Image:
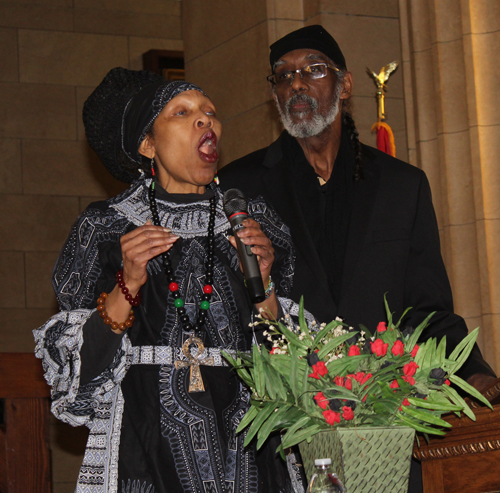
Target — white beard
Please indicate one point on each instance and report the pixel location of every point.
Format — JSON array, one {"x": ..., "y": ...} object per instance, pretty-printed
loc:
[{"x": 317, "y": 124}]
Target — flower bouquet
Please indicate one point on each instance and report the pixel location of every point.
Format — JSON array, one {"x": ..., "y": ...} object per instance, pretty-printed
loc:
[{"x": 321, "y": 377}]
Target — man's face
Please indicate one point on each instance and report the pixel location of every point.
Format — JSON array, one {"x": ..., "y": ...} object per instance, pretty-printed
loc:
[{"x": 307, "y": 108}]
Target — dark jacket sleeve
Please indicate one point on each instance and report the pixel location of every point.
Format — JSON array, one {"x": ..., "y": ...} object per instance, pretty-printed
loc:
[{"x": 427, "y": 287}]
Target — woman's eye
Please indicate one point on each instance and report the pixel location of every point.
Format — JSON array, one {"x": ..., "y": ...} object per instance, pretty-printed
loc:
[
  {"x": 181, "y": 112},
  {"x": 210, "y": 113}
]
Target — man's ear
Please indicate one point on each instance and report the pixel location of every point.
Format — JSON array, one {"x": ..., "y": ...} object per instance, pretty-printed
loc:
[
  {"x": 147, "y": 147},
  {"x": 346, "y": 86}
]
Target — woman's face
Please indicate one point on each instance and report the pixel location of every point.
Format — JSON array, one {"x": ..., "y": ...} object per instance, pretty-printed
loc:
[{"x": 184, "y": 143}]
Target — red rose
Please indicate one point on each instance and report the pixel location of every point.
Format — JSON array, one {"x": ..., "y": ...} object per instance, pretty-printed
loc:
[
  {"x": 321, "y": 400},
  {"x": 381, "y": 327},
  {"x": 379, "y": 348},
  {"x": 366, "y": 378},
  {"x": 339, "y": 381},
  {"x": 394, "y": 384},
  {"x": 406, "y": 402},
  {"x": 347, "y": 413},
  {"x": 348, "y": 383},
  {"x": 447, "y": 382},
  {"x": 398, "y": 348},
  {"x": 320, "y": 368},
  {"x": 331, "y": 417},
  {"x": 410, "y": 368},
  {"x": 359, "y": 376},
  {"x": 272, "y": 350},
  {"x": 410, "y": 380},
  {"x": 414, "y": 351},
  {"x": 354, "y": 351}
]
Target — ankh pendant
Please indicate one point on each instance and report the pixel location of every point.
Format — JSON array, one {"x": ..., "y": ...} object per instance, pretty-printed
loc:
[{"x": 194, "y": 362}]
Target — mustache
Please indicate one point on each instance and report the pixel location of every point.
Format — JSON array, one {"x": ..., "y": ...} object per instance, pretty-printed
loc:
[{"x": 301, "y": 98}]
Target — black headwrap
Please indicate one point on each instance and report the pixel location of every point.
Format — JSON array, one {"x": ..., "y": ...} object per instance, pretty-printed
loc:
[
  {"x": 313, "y": 37},
  {"x": 143, "y": 109},
  {"x": 120, "y": 112}
]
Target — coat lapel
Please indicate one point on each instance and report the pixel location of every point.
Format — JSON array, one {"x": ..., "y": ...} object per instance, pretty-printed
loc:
[{"x": 365, "y": 193}]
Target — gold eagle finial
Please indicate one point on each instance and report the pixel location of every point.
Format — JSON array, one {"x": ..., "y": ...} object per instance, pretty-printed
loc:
[{"x": 380, "y": 81}]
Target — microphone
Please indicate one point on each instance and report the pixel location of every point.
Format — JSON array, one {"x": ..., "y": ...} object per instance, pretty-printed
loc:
[{"x": 236, "y": 209}]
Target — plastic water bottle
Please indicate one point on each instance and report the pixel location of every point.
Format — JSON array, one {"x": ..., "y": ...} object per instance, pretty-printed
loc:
[{"x": 324, "y": 480}]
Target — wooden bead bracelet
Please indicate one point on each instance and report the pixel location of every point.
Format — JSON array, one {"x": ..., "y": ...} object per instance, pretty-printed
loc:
[{"x": 101, "y": 308}]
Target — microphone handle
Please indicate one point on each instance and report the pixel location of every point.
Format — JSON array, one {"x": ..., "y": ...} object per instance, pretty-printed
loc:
[{"x": 248, "y": 260}]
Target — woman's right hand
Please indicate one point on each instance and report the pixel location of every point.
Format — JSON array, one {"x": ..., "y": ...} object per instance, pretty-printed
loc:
[{"x": 138, "y": 247}]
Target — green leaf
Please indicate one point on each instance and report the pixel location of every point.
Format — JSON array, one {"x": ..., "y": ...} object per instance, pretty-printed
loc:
[
  {"x": 461, "y": 345},
  {"x": 431, "y": 404},
  {"x": 264, "y": 413},
  {"x": 332, "y": 344},
  {"x": 466, "y": 350},
  {"x": 440, "y": 355},
  {"x": 420, "y": 427},
  {"x": 294, "y": 338},
  {"x": 248, "y": 418},
  {"x": 470, "y": 390},
  {"x": 303, "y": 421},
  {"x": 401, "y": 318},
  {"x": 414, "y": 337},
  {"x": 430, "y": 352},
  {"x": 258, "y": 374},
  {"x": 454, "y": 396},
  {"x": 300, "y": 436},
  {"x": 326, "y": 330},
  {"x": 425, "y": 416},
  {"x": 294, "y": 381},
  {"x": 387, "y": 311},
  {"x": 302, "y": 319},
  {"x": 268, "y": 426}
]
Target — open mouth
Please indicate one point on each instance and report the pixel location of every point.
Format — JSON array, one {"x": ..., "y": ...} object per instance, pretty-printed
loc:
[{"x": 207, "y": 147}]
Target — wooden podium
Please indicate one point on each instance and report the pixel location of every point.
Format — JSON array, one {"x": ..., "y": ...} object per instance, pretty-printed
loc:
[
  {"x": 24, "y": 429},
  {"x": 467, "y": 458}
]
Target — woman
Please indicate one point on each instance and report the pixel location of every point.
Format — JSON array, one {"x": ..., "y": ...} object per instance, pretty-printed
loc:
[{"x": 140, "y": 275}]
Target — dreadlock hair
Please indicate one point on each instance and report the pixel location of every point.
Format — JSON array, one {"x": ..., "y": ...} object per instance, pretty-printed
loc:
[{"x": 349, "y": 125}]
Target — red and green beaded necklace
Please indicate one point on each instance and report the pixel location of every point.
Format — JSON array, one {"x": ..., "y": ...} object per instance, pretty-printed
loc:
[{"x": 173, "y": 286}]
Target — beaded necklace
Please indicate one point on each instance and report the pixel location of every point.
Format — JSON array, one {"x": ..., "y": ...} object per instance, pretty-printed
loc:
[{"x": 173, "y": 286}]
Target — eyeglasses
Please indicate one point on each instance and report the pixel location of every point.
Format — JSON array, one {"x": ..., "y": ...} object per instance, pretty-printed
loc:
[{"x": 310, "y": 72}]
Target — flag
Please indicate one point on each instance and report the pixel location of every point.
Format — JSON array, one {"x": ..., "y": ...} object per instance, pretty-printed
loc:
[{"x": 385, "y": 138}]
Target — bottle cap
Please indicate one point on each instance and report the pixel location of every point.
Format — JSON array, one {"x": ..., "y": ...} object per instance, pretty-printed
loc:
[{"x": 322, "y": 462}]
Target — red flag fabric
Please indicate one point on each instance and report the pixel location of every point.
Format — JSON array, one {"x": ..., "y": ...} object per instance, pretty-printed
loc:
[{"x": 385, "y": 138}]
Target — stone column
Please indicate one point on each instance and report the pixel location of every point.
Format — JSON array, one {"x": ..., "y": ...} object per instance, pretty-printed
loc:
[{"x": 454, "y": 120}]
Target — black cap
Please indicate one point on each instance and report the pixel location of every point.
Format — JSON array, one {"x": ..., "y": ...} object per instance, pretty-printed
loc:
[{"x": 313, "y": 37}]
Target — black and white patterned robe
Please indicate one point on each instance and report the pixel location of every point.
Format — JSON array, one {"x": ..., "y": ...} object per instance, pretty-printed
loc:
[{"x": 147, "y": 433}]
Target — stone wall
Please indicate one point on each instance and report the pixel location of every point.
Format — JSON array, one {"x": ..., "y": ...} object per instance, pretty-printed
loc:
[
  {"x": 229, "y": 57},
  {"x": 52, "y": 54}
]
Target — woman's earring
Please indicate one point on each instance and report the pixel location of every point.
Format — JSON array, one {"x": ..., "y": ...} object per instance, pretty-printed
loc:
[
  {"x": 153, "y": 167},
  {"x": 216, "y": 178}
]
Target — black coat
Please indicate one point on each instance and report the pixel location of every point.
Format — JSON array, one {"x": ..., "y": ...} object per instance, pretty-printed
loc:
[{"x": 392, "y": 246}]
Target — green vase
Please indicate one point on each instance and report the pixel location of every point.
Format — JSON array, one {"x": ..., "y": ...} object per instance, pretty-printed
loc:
[{"x": 366, "y": 459}]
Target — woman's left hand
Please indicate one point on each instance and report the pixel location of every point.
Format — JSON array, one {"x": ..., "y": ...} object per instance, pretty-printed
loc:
[{"x": 252, "y": 234}]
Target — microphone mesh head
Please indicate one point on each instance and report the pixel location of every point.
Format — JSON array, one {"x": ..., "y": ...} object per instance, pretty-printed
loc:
[{"x": 234, "y": 201}]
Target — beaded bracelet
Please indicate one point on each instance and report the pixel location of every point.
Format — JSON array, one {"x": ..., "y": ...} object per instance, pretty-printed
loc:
[
  {"x": 269, "y": 289},
  {"x": 107, "y": 320},
  {"x": 121, "y": 284}
]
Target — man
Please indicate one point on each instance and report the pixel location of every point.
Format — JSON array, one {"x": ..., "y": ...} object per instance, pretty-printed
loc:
[{"x": 362, "y": 221}]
